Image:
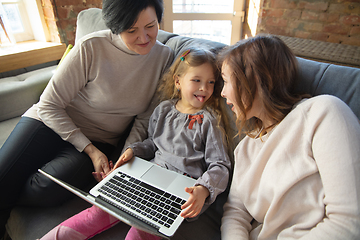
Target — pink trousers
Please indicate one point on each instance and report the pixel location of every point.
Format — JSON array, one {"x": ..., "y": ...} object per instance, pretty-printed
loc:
[{"x": 90, "y": 222}]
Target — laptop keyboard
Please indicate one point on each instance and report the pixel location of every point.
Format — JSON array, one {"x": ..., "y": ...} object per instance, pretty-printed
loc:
[{"x": 151, "y": 202}]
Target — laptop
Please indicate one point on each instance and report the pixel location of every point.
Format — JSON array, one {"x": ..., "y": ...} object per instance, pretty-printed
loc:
[{"x": 141, "y": 194}]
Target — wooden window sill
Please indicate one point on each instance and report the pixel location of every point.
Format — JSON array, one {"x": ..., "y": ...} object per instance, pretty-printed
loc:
[{"x": 29, "y": 53}]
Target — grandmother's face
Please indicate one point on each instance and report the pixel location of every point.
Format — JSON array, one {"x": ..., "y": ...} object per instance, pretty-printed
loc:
[{"x": 141, "y": 37}]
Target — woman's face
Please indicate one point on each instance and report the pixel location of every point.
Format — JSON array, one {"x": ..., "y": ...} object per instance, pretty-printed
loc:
[
  {"x": 141, "y": 37},
  {"x": 228, "y": 90}
]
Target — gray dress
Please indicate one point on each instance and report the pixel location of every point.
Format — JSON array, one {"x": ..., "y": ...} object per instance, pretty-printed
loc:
[{"x": 189, "y": 144}]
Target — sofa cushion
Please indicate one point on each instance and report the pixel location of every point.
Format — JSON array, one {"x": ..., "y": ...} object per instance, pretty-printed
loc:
[
  {"x": 68, "y": 48},
  {"x": 19, "y": 93}
]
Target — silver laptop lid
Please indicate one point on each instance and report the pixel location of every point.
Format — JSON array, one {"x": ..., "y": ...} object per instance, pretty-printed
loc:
[
  {"x": 161, "y": 209},
  {"x": 121, "y": 215}
]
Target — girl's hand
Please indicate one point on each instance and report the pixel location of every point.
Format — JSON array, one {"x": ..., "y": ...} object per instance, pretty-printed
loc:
[
  {"x": 99, "y": 160},
  {"x": 196, "y": 201},
  {"x": 126, "y": 156}
]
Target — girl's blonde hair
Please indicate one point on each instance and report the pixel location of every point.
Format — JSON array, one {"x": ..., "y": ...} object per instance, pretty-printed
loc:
[{"x": 215, "y": 105}]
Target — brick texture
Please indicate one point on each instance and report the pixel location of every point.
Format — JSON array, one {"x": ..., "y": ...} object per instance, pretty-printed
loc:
[
  {"x": 325, "y": 20},
  {"x": 336, "y": 21},
  {"x": 61, "y": 18}
]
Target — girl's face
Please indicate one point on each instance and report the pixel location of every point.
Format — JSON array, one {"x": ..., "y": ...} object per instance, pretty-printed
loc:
[
  {"x": 141, "y": 37},
  {"x": 228, "y": 90},
  {"x": 196, "y": 87}
]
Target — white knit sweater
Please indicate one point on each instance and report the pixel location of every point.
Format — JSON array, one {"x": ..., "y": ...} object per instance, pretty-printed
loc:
[{"x": 302, "y": 181}]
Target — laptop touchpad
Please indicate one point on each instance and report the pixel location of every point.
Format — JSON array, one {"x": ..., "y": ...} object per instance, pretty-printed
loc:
[{"x": 159, "y": 177}]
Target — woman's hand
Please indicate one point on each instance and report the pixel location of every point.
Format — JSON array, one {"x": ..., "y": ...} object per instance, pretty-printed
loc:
[
  {"x": 99, "y": 160},
  {"x": 126, "y": 156},
  {"x": 196, "y": 201}
]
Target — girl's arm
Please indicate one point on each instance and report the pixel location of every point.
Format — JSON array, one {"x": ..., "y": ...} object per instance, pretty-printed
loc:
[
  {"x": 139, "y": 130},
  {"x": 216, "y": 176},
  {"x": 146, "y": 149}
]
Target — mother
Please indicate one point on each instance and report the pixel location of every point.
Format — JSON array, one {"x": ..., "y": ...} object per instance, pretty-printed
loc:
[
  {"x": 105, "y": 84},
  {"x": 296, "y": 173}
]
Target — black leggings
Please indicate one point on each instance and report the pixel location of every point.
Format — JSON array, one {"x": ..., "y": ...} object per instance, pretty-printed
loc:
[{"x": 31, "y": 146}]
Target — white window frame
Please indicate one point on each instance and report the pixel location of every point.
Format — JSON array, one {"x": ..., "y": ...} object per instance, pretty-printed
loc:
[
  {"x": 236, "y": 18},
  {"x": 33, "y": 20}
]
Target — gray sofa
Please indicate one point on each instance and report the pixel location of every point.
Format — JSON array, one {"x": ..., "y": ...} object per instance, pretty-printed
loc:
[{"x": 31, "y": 223}]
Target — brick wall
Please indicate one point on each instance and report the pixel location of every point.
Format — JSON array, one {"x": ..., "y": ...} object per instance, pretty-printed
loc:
[
  {"x": 60, "y": 16},
  {"x": 336, "y": 21}
]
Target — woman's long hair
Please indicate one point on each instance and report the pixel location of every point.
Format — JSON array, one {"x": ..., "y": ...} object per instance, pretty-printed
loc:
[{"x": 262, "y": 64}]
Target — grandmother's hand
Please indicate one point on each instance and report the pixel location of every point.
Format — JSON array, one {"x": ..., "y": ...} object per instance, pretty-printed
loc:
[
  {"x": 100, "y": 161},
  {"x": 126, "y": 156}
]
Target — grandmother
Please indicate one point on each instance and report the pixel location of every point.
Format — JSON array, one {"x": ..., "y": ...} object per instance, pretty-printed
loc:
[{"x": 105, "y": 85}]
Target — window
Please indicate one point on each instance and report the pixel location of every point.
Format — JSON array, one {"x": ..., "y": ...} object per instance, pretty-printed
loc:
[
  {"x": 15, "y": 20},
  {"x": 21, "y": 21},
  {"x": 209, "y": 19}
]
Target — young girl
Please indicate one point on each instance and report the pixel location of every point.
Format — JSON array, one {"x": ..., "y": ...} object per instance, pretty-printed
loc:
[
  {"x": 297, "y": 172},
  {"x": 185, "y": 135}
]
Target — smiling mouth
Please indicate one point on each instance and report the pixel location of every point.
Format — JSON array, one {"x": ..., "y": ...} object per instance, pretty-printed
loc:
[{"x": 143, "y": 44}]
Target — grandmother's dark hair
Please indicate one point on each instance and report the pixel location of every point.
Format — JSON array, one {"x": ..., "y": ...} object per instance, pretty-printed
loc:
[
  {"x": 262, "y": 64},
  {"x": 120, "y": 15}
]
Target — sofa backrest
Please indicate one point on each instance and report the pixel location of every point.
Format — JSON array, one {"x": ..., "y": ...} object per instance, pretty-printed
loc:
[
  {"x": 88, "y": 21},
  {"x": 323, "y": 78},
  {"x": 316, "y": 78}
]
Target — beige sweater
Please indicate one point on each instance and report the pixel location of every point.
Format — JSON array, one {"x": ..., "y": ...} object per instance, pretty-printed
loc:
[
  {"x": 99, "y": 88},
  {"x": 302, "y": 181}
]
